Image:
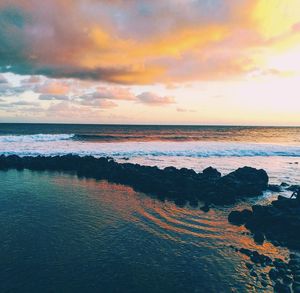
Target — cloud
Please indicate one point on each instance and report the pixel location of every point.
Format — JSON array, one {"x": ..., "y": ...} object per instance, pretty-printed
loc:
[
  {"x": 24, "y": 103},
  {"x": 34, "y": 79},
  {"x": 4, "y": 85},
  {"x": 113, "y": 93},
  {"x": 53, "y": 88},
  {"x": 66, "y": 111},
  {"x": 139, "y": 41},
  {"x": 103, "y": 104},
  {"x": 103, "y": 97},
  {"x": 42, "y": 90},
  {"x": 49, "y": 97},
  {"x": 154, "y": 99},
  {"x": 296, "y": 27},
  {"x": 184, "y": 110},
  {"x": 17, "y": 105}
]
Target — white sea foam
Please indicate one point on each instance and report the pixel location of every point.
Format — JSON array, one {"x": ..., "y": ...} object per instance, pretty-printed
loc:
[
  {"x": 59, "y": 144},
  {"x": 35, "y": 138}
]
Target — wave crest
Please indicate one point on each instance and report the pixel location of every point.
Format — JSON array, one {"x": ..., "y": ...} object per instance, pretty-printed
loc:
[{"x": 35, "y": 137}]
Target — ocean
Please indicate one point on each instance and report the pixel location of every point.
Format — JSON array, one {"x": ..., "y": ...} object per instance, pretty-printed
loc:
[
  {"x": 276, "y": 149},
  {"x": 61, "y": 233}
]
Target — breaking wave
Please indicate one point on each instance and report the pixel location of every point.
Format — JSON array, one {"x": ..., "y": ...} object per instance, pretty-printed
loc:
[
  {"x": 35, "y": 137},
  {"x": 60, "y": 144}
]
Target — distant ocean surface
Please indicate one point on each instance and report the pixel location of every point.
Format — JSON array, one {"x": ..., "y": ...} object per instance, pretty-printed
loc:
[{"x": 277, "y": 149}]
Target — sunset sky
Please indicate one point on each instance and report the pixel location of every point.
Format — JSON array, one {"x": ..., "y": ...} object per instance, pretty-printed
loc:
[{"x": 154, "y": 61}]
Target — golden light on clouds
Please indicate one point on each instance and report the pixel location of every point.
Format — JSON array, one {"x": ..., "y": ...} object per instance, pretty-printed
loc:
[
  {"x": 154, "y": 46},
  {"x": 276, "y": 17}
]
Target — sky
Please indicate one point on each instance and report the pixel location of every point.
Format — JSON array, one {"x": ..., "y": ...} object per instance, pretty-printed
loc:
[{"x": 231, "y": 62}]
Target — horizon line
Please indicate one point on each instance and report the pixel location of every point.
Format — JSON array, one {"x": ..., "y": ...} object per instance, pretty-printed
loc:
[{"x": 152, "y": 124}]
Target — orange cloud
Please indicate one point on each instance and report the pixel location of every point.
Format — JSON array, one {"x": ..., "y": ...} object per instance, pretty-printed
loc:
[
  {"x": 142, "y": 42},
  {"x": 54, "y": 88},
  {"x": 155, "y": 100}
]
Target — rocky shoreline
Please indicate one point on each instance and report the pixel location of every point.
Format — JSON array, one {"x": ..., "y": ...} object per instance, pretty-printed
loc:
[
  {"x": 283, "y": 276},
  {"x": 278, "y": 222},
  {"x": 181, "y": 185}
]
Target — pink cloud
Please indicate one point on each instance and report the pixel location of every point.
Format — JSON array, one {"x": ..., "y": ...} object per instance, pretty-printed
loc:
[
  {"x": 152, "y": 99},
  {"x": 53, "y": 88}
]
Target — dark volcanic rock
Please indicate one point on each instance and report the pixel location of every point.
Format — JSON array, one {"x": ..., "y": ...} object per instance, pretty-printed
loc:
[
  {"x": 273, "y": 274},
  {"x": 205, "y": 208},
  {"x": 294, "y": 187},
  {"x": 279, "y": 222},
  {"x": 182, "y": 186},
  {"x": 255, "y": 257},
  {"x": 259, "y": 237},
  {"x": 281, "y": 288},
  {"x": 244, "y": 182},
  {"x": 274, "y": 188},
  {"x": 239, "y": 218},
  {"x": 212, "y": 173},
  {"x": 284, "y": 184}
]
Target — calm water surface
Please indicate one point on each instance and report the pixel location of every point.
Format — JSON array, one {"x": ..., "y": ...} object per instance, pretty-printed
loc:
[{"x": 64, "y": 234}]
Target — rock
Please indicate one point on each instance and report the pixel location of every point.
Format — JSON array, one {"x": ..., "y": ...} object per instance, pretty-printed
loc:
[
  {"x": 273, "y": 274},
  {"x": 282, "y": 288},
  {"x": 244, "y": 181},
  {"x": 246, "y": 251},
  {"x": 180, "y": 202},
  {"x": 249, "y": 265},
  {"x": 205, "y": 208},
  {"x": 284, "y": 184},
  {"x": 294, "y": 256},
  {"x": 293, "y": 187},
  {"x": 211, "y": 172},
  {"x": 259, "y": 237},
  {"x": 296, "y": 272},
  {"x": 297, "y": 278},
  {"x": 280, "y": 264},
  {"x": 296, "y": 287},
  {"x": 184, "y": 185},
  {"x": 281, "y": 273},
  {"x": 287, "y": 280},
  {"x": 239, "y": 218},
  {"x": 279, "y": 222},
  {"x": 274, "y": 188},
  {"x": 255, "y": 257},
  {"x": 263, "y": 275},
  {"x": 294, "y": 262}
]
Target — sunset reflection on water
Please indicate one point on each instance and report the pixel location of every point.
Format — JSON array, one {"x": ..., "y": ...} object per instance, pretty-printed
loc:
[
  {"x": 179, "y": 224},
  {"x": 96, "y": 232}
]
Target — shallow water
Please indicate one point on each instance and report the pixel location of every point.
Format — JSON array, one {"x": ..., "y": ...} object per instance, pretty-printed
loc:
[{"x": 64, "y": 234}]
